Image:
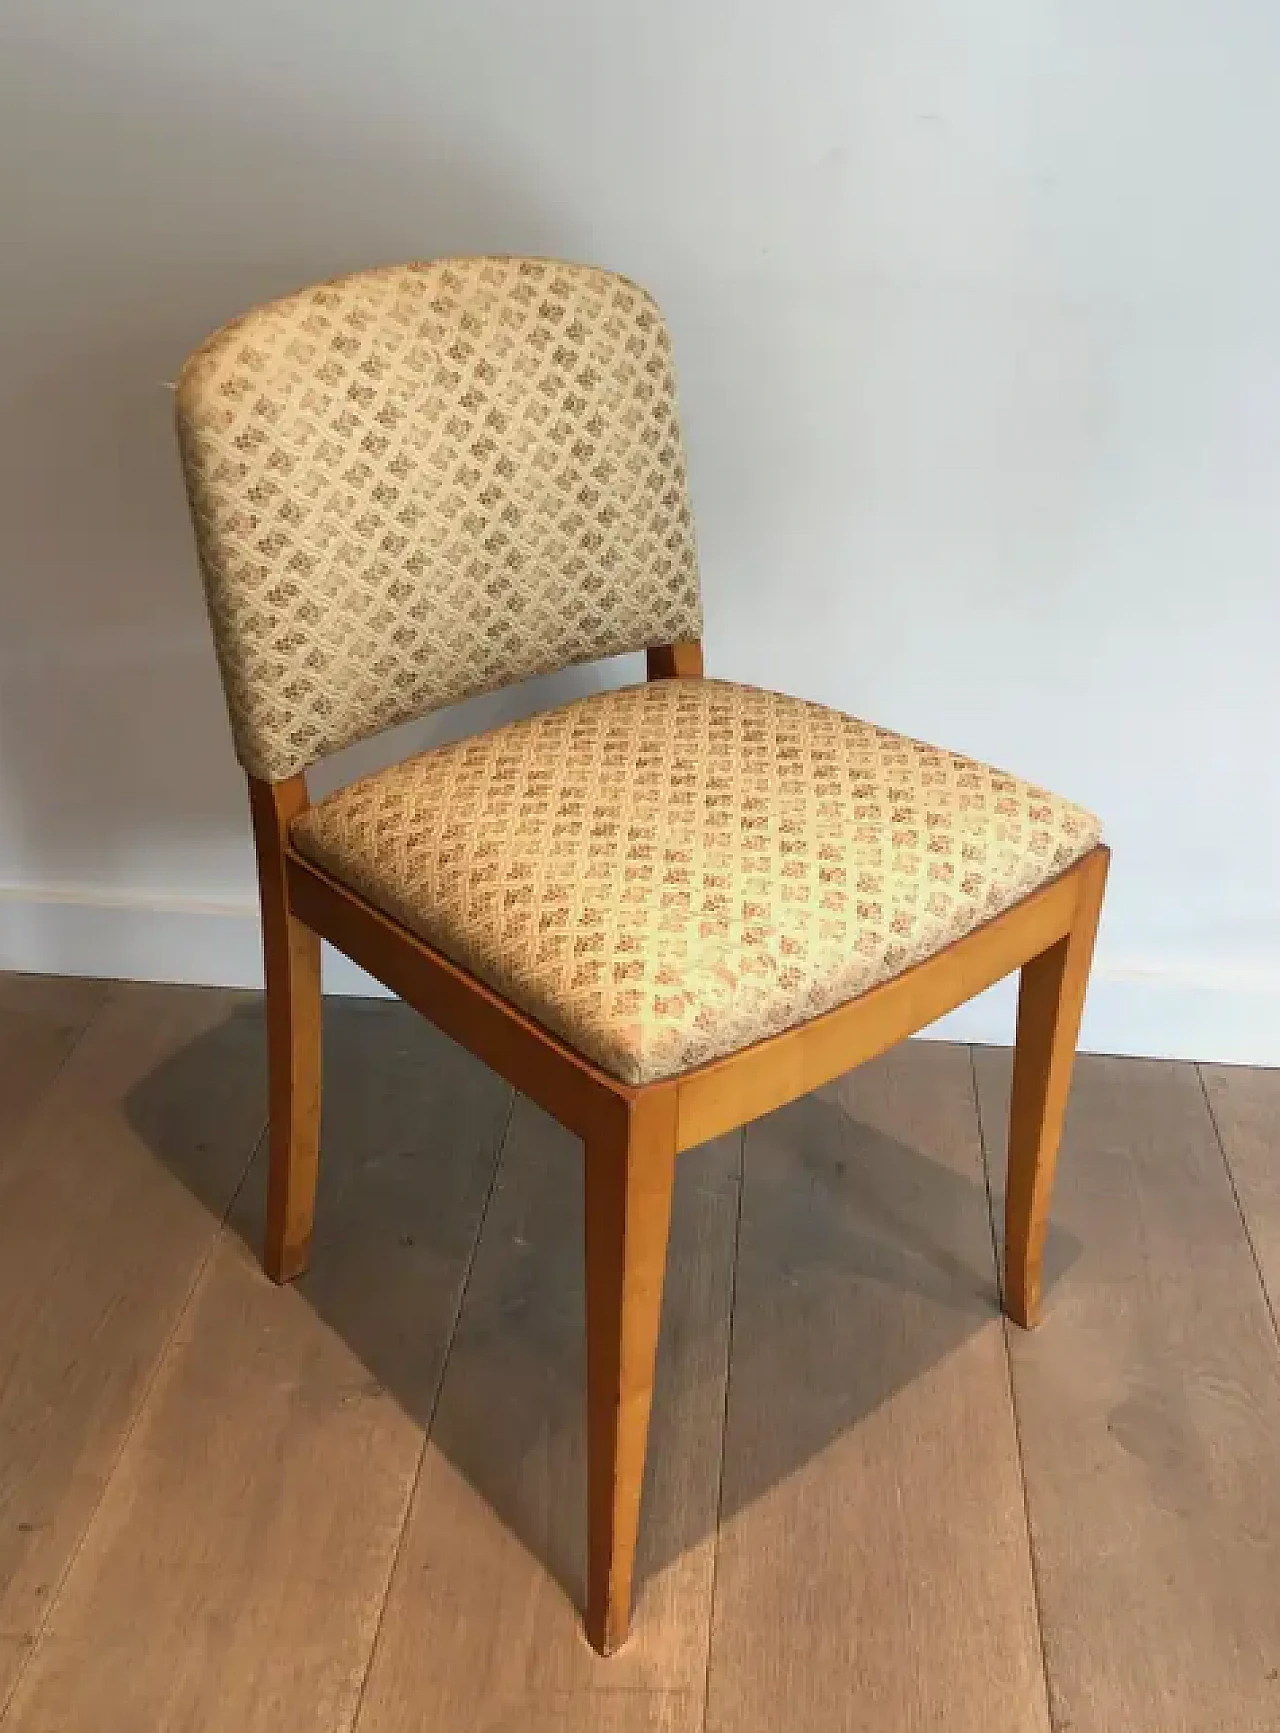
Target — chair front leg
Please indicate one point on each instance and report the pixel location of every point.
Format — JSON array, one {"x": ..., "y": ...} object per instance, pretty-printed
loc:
[
  {"x": 1050, "y": 1004},
  {"x": 291, "y": 952},
  {"x": 630, "y": 1170}
]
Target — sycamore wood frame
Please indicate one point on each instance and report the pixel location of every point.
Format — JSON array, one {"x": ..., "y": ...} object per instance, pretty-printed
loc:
[{"x": 632, "y": 1135}]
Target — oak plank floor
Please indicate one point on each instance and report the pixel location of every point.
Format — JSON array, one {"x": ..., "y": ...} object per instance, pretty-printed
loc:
[
  {"x": 1149, "y": 1414},
  {"x": 1245, "y": 1104},
  {"x": 491, "y": 1574},
  {"x": 41, "y": 1019},
  {"x": 234, "y": 1575},
  {"x": 111, "y": 1195},
  {"x": 355, "y": 1506},
  {"x": 874, "y": 1570}
]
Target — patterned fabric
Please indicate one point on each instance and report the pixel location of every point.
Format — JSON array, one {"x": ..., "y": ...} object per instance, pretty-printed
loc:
[
  {"x": 417, "y": 483},
  {"x": 670, "y": 872}
]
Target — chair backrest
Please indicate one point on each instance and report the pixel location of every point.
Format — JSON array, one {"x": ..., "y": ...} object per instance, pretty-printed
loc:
[{"x": 417, "y": 483}]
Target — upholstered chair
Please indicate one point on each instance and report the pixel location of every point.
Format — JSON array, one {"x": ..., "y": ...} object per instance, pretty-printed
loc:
[{"x": 658, "y": 911}]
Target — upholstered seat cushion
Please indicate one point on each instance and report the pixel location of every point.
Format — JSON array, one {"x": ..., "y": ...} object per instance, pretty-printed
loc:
[{"x": 667, "y": 873}]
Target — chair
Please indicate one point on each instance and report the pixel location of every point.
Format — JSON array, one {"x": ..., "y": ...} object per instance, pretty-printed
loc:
[{"x": 659, "y": 912}]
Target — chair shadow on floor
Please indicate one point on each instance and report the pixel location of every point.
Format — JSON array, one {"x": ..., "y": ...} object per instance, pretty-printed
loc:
[{"x": 861, "y": 1263}]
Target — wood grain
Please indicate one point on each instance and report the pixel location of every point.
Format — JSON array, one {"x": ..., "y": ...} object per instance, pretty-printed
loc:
[
  {"x": 41, "y": 1019},
  {"x": 1051, "y": 994},
  {"x": 1246, "y": 1109},
  {"x": 109, "y": 1203},
  {"x": 482, "y": 1625},
  {"x": 291, "y": 961},
  {"x": 1149, "y": 1409},
  {"x": 872, "y": 1572},
  {"x": 235, "y": 1573},
  {"x": 628, "y": 1182},
  {"x": 874, "y": 1568}
]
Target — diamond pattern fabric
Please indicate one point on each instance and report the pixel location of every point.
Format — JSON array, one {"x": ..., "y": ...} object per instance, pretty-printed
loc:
[
  {"x": 417, "y": 483},
  {"x": 668, "y": 873}
]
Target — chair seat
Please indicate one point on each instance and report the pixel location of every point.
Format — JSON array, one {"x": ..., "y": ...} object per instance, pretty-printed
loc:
[{"x": 667, "y": 873}]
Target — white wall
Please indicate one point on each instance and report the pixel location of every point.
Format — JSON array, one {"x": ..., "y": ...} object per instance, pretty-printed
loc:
[{"x": 978, "y": 315}]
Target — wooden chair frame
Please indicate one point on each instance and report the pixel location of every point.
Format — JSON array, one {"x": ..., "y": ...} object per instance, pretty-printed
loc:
[{"x": 631, "y": 1135}]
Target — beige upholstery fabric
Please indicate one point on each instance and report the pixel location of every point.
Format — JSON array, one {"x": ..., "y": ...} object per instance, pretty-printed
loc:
[
  {"x": 667, "y": 873},
  {"x": 417, "y": 483}
]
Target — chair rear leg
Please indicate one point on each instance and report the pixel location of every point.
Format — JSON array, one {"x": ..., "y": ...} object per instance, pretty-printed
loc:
[
  {"x": 1050, "y": 1003},
  {"x": 292, "y": 957},
  {"x": 630, "y": 1171}
]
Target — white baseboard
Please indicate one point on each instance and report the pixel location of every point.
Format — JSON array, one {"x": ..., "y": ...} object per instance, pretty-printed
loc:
[
  {"x": 1227, "y": 1016},
  {"x": 1148, "y": 1013},
  {"x": 127, "y": 938}
]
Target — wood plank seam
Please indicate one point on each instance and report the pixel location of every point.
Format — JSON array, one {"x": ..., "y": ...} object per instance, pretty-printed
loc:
[
  {"x": 16, "y": 1131},
  {"x": 872, "y": 1569},
  {"x": 144, "y": 1399},
  {"x": 724, "y": 1419},
  {"x": 411, "y": 1493},
  {"x": 1235, "y": 1192},
  {"x": 1006, "y": 1324},
  {"x": 1149, "y": 1431}
]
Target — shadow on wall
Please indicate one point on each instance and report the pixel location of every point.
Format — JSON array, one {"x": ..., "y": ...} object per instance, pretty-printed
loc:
[
  {"x": 172, "y": 192},
  {"x": 862, "y": 1263}
]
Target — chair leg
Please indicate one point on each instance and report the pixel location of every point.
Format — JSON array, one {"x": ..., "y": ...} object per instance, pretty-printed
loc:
[
  {"x": 629, "y": 1175},
  {"x": 293, "y": 1041},
  {"x": 291, "y": 953},
  {"x": 1050, "y": 1003},
  {"x": 682, "y": 661}
]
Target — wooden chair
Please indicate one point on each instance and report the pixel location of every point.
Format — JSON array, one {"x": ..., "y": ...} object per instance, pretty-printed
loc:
[{"x": 658, "y": 912}]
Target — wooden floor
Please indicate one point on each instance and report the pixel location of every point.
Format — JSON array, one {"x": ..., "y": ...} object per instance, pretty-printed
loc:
[{"x": 357, "y": 1503}]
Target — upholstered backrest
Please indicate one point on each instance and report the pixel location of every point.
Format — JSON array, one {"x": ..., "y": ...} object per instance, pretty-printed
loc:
[{"x": 421, "y": 482}]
